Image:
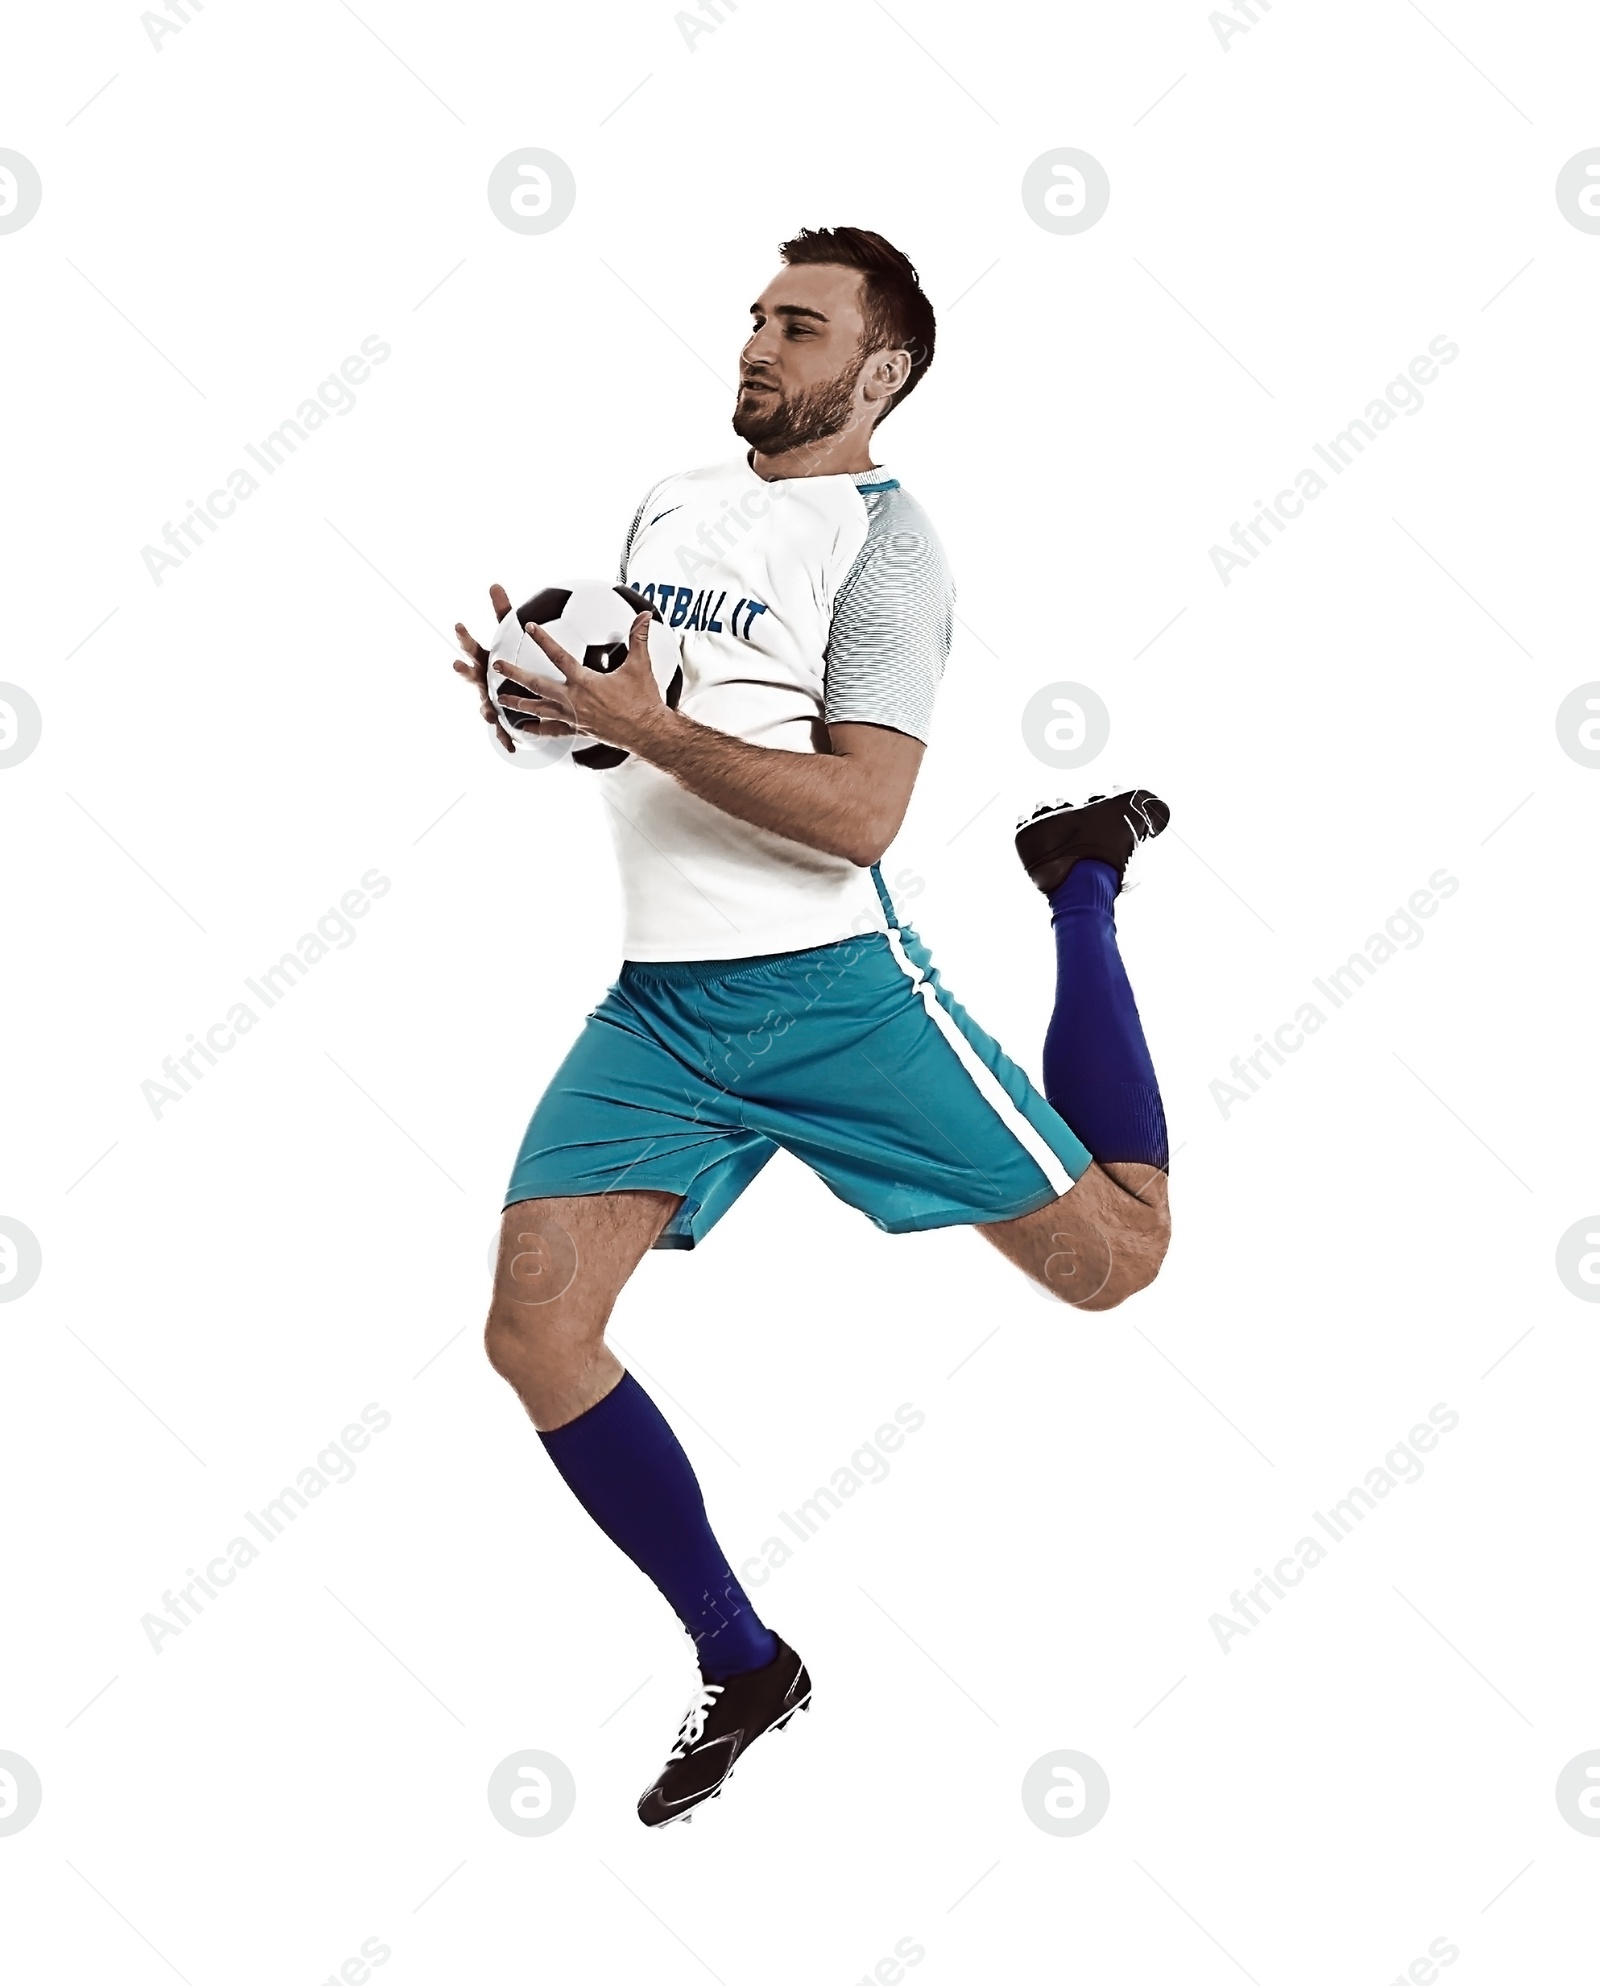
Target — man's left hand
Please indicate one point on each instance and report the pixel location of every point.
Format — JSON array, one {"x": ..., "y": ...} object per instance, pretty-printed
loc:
[{"x": 618, "y": 707}]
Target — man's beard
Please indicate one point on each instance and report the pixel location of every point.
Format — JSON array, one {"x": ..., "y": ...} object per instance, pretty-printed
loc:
[{"x": 776, "y": 425}]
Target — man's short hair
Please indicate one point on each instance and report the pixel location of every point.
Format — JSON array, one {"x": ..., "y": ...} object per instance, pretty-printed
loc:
[{"x": 897, "y": 315}]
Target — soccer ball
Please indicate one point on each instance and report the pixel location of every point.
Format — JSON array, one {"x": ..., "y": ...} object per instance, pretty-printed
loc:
[{"x": 591, "y": 622}]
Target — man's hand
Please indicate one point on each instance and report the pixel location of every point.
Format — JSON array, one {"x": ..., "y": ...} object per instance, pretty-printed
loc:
[
  {"x": 622, "y": 707},
  {"x": 475, "y": 670}
]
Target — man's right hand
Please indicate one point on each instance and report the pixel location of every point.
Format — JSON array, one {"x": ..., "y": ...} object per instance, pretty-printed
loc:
[{"x": 475, "y": 670}]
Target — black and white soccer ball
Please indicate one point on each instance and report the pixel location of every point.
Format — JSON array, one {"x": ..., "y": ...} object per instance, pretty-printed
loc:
[{"x": 592, "y": 623}]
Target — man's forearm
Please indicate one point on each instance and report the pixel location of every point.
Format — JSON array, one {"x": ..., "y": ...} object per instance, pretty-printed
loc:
[{"x": 816, "y": 798}]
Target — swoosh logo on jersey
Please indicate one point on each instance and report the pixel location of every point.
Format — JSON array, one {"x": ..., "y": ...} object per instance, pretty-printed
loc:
[{"x": 663, "y": 513}]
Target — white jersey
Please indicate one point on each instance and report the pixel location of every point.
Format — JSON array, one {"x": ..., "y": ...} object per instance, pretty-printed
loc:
[{"x": 803, "y": 602}]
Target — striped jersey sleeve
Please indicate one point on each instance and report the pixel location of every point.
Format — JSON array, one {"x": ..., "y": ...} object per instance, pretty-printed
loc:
[{"x": 892, "y": 621}]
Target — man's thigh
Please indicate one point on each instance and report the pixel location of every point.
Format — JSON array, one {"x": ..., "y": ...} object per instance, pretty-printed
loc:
[
  {"x": 1096, "y": 1245},
  {"x": 564, "y": 1260}
]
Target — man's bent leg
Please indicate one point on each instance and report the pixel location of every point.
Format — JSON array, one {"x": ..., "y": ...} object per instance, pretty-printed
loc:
[
  {"x": 1097, "y": 1245},
  {"x": 562, "y": 1263}
]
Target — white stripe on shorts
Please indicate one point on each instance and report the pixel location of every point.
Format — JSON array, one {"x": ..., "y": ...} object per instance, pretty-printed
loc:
[{"x": 989, "y": 1085}]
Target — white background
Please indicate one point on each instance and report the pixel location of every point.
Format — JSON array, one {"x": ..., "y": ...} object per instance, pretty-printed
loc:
[{"x": 226, "y": 1286}]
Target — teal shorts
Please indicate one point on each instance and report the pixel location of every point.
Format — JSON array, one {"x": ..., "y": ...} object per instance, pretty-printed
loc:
[{"x": 688, "y": 1077}]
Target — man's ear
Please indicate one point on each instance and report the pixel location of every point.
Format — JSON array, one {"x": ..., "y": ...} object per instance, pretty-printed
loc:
[{"x": 886, "y": 375}]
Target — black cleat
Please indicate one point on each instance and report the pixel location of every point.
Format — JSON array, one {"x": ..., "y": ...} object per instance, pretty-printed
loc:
[
  {"x": 1106, "y": 828},
  {"x": 723, "y": 1721}
]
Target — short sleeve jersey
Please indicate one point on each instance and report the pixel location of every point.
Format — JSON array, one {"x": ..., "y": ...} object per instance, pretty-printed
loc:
[{"x": 800, "y": 603}]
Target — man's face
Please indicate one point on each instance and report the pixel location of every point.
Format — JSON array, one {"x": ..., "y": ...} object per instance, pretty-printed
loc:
[{"x": 799, "y": 369}]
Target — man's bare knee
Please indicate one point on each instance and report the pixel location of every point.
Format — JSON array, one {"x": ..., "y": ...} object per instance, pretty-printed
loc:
[
  {"x": 518, "y": 1349},
  {"x": 1136, "y": 1258},
  {"x": 1096, "y": 1245},
  {"x": 557, "y": 1367},
  {"x": 561, "y": 1265},
  {"x": 548, "y": 1341}
]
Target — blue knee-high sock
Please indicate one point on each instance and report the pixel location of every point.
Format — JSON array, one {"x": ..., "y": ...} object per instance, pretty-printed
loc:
[
  {"x": 1097, "y": 1070},
  {"x": 625, "y": 1466}
]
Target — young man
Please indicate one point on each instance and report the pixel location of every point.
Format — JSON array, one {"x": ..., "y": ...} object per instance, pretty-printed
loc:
[{"x": 769, "y": 995}]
